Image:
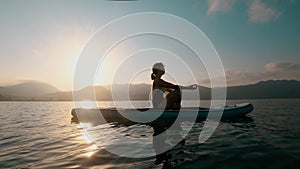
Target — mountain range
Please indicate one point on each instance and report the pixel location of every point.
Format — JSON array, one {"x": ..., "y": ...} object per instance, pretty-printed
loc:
[{"x": 33, "y": 90}]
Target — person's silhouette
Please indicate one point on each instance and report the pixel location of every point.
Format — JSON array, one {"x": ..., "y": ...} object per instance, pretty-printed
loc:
[{"x": 160, "y": 87}]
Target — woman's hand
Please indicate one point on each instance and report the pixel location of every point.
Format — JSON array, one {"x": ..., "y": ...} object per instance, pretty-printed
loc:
[{"x": 193, "y": 87}]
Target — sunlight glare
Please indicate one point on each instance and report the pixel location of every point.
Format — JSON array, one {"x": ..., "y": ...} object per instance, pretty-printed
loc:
[
  {"x": 88, "y": 104},
  {"x": 86, "y": 138},
  {"x": 89, "y": 154},
  {"x": 91, "y": 150}
]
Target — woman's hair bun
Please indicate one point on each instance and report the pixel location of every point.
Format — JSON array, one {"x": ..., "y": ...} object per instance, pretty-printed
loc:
[{"x": 153, "y": 76}]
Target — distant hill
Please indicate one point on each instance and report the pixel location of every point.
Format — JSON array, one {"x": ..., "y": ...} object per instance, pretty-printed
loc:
[
  {"x": 266, "y": 90},
  {"x": 3, "y": 98},
  {"x": 86, "y": 93},
  {"x": 40, "y": 91},
  {"x": 28, "y": 89},
  {"x": 59, "y": 96},
  {"x": 262, "y": 90}
]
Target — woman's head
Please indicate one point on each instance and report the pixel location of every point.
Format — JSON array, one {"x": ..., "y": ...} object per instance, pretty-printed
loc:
[{"x": 158, "y": 69}]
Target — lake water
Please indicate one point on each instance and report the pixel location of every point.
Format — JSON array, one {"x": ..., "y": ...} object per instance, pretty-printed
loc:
[{"x": 41, "y": 135}]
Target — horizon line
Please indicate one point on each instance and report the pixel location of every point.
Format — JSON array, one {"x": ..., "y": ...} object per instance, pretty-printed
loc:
[{"x": 106, "y": 85}]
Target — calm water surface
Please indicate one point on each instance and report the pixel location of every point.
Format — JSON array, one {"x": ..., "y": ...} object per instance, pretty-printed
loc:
[{"x": 41, "y": 135}]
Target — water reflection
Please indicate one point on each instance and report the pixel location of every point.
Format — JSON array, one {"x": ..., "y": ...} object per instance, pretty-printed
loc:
[
  {"x": 178, "y": 154},
  {"x": 244, "y": 122},
  {"x": 169, "y": 158},
  {"x": 91, "y": 150}
]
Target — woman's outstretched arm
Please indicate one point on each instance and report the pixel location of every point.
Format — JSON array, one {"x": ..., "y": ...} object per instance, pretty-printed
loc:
[
  {"x": 191, "y": 87},
  {"x": 172, "y": 86}
]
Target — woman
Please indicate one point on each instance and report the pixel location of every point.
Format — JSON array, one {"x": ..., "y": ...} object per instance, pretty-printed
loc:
[{"x": 160, "y": 87}]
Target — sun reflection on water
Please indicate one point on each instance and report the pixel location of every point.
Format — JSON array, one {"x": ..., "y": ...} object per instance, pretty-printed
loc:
[
  {"x": 91, "y": 150},
  {"x": 87, "y": 139},
  {"x": 85, "y": 136},
  {"x": 89, "y": 154}
]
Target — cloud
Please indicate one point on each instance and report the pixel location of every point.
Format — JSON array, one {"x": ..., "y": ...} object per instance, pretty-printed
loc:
[
  {"x": 283, "y": 67},
  {"x": 219, "y": 5},
  {"x": 283, "y": 70},
  {"x": 260, "y": 12},
  {"x": 272, "y": 71}
]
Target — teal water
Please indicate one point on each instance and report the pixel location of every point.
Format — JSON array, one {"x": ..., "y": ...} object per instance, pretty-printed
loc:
[{"x": 41, "y": 135}]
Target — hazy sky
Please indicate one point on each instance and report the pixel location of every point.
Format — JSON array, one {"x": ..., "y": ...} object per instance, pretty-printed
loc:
[{"x": 256, "y": 39}]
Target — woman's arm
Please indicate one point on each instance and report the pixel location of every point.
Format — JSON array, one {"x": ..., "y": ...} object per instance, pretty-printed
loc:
[
  {"x": 191, "y": 87},
  {"x": 165, "y": 84}
]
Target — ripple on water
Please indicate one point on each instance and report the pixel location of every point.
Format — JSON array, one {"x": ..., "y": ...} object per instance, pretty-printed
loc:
[{"x": 40, "y": 135}]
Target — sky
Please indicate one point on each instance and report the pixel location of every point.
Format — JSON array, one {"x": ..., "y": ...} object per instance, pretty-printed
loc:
[{"x": 42, "y": 40}]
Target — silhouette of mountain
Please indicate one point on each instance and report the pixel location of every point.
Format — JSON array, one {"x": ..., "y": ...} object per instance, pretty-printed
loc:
[
  {"x": 29, "y": 89},
  {"x": 91, "y": 92},
  {"x": 262, "y": 90},
  {"x": 87, "y": 93},
  {"x": 40, "y": 91},
  {"x": 140, "y": 91},
  {"x": 2, "y": 98},
  {"x": 59, "y": 96},
  {"x": 266, "y": 90}
]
